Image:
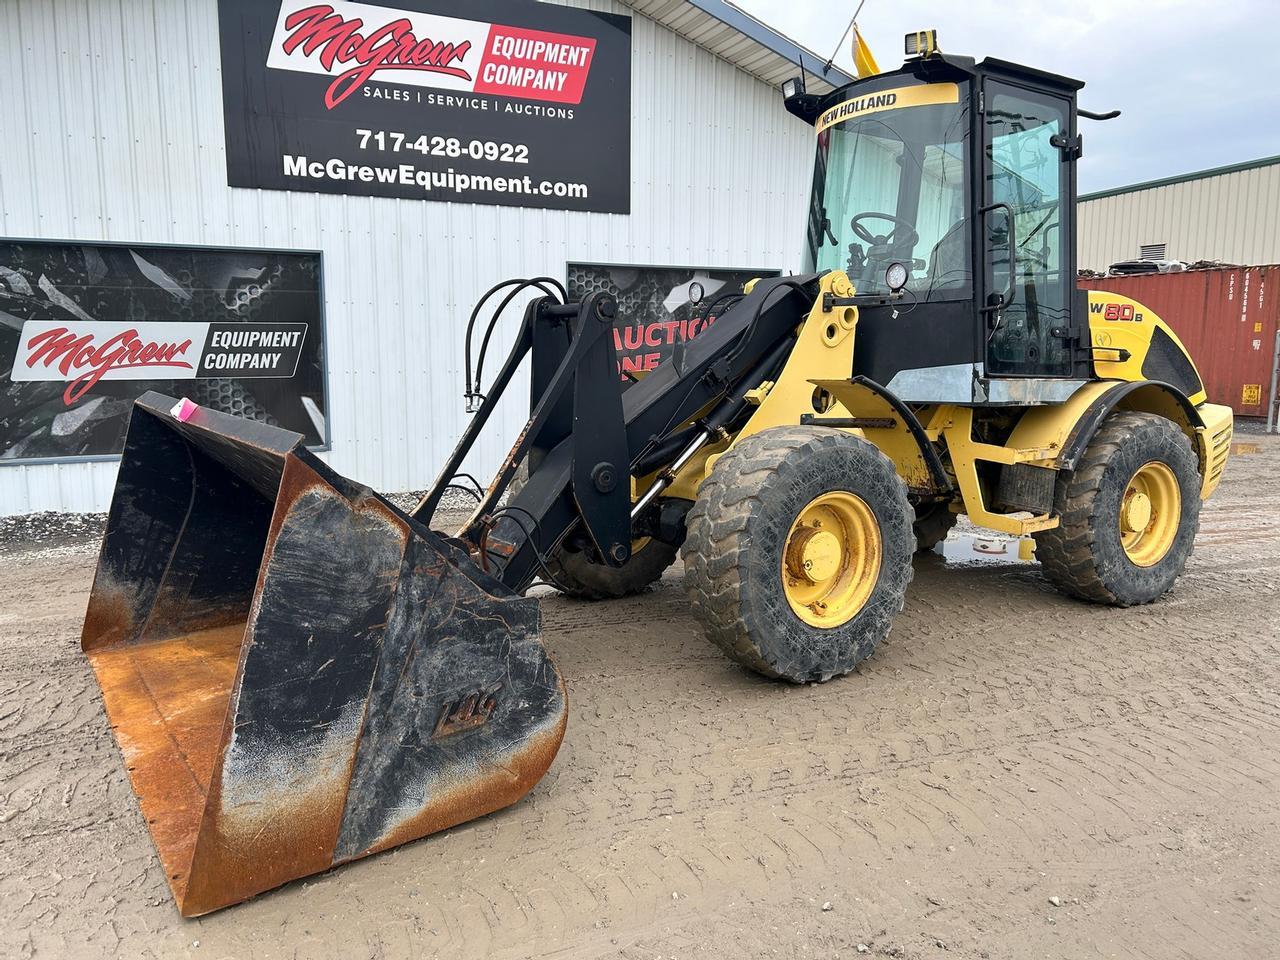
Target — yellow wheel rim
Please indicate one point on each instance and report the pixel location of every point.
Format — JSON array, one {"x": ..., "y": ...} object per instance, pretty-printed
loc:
[
  {"x": 1150, "y": 513},
  {"x": 831, "y": 559}
]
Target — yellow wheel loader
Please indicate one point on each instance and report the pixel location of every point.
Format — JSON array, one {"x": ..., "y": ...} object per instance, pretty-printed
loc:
[{"x": 300, "y": 674}]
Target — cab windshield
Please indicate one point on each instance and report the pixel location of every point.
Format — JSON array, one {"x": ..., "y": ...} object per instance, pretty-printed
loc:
[{"x": 890, "y": 187}]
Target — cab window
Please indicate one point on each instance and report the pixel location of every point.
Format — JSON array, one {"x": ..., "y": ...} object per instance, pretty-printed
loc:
[
  {"x": 890, "y": 187},
  {"x": 1026, "y": 177}
]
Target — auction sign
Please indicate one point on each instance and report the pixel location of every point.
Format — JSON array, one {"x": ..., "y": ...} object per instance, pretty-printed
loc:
[
  {"x": 659, "y": 307},
  {"x": 87, "y": 328},
  {"x": 506, "y": 102}
]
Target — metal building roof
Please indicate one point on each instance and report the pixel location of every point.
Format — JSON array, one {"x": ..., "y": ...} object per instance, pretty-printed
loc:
[
  {"x": 1225, "y": 213},
  {"x": 742, "y": 40},
  {"x": 1182, "y": 178}
]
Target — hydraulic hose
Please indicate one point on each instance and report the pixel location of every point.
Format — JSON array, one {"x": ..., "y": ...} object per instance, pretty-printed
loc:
[
  {"x": 716, "y": 421},
  {"x": 548, "y": 285}
]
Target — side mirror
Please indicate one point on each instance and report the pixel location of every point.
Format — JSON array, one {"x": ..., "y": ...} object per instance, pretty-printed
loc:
[{"x": 1000, "y": 232}]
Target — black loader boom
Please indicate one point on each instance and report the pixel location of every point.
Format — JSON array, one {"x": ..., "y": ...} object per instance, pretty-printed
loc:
[{"x": 586, "y": 438}]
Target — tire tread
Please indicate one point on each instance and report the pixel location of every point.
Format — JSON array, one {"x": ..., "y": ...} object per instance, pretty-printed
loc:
[
  {"x": 717, "y": 549},
  {"x": 1069, "y": 553}
]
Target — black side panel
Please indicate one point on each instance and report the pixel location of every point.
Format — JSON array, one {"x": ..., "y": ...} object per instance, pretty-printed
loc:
[
  {"x": 924, "y": 335},
  {"x": 1166, "y": 363}
]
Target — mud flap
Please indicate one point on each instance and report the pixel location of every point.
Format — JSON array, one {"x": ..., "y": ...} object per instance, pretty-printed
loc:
[{"x": 297, "y": 673}]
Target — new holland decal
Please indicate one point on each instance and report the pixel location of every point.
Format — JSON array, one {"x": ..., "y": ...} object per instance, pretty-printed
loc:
[{"x": 917, "y": 96}]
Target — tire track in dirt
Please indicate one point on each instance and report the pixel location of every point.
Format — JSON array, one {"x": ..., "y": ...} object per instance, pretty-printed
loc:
[{"x": 1006, "y": 745}]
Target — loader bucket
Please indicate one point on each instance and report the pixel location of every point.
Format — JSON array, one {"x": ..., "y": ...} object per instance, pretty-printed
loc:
[{"x": 297, "y": 673}]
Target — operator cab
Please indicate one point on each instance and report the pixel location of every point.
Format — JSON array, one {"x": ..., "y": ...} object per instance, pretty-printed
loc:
[{"x": 946, "y": 190}]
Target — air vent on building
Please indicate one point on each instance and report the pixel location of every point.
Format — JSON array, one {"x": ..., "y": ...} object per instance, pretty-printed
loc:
[{"x": 1151, "y": 251}]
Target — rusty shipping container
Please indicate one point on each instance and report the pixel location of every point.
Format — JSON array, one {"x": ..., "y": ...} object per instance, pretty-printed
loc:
[{"x": 1227, "y": 318}]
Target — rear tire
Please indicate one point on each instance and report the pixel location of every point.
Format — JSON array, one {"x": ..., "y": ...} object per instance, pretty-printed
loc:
[
  {"x": 585, "y": 580},
  {"x": 1099, "y": 552},
  {"x": 749, "y": 521}
]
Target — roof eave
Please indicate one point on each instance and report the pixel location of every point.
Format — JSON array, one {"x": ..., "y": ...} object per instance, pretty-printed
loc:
[{"x": 721, "y": 28}]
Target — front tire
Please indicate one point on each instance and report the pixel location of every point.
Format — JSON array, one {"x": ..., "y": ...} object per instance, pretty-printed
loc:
[
  {"x": 1129, "y": 513},
  {"x": 596, "y": 581},
  {"x": 798, "y": 552},
  {"x": 584, "y": 580},
  {"x": 933, "y": 522}
]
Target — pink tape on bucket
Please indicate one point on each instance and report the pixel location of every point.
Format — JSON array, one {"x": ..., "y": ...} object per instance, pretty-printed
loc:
[{"x": 183, "y": 409}]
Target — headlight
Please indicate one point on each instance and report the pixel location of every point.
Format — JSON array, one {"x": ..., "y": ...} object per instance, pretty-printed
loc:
[
  {"x": 922, "y": 43},
  {"x": 895, "y": 278}
]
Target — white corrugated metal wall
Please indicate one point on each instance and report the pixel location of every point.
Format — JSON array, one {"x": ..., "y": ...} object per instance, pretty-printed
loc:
[
  {"x": 1229, "y": 217},
  {"x": 113, "y": 130}
]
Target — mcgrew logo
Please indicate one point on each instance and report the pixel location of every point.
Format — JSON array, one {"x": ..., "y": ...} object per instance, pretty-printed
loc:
[
  {"x": 393, "y": 46},
  {"x": 83, "y": 362},
  {"x": 354, "y": 43}
]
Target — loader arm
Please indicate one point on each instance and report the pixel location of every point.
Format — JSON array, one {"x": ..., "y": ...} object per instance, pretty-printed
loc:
[{"x": 585, "y": 437}]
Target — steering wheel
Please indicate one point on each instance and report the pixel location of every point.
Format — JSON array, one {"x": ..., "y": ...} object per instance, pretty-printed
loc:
[{"x": 890, "y": 239}]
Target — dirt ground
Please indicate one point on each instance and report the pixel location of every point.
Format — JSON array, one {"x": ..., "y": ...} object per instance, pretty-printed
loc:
[{"x": 1013, "y": 774}]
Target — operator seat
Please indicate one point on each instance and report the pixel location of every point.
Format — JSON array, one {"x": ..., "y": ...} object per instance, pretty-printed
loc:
[{"x": 948, "y": 261}]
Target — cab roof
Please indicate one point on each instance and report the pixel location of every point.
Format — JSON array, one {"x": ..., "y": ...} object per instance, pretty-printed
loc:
[{"x": 933, "y": 69}]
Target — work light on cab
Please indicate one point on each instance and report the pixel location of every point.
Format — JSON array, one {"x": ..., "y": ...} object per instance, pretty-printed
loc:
[
  {"x": 796, "y": 100},
  {"x": 922, "y": 43},
  {"x": 895, "y": 277}
]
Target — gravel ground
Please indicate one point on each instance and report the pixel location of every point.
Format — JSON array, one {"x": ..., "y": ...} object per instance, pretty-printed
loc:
[
  {"x": 41, "y": 532},
  {"x": 64, "y": 534},
  {"x": 1012, "y": 775}
]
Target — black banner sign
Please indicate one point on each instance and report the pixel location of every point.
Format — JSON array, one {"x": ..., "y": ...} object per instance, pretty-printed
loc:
[
  {"x": 87, "y": 328},
  {"x": 263, "y": 350},
  {"x": 491, "y": 101},
  {"x": 659, "y": 307}
]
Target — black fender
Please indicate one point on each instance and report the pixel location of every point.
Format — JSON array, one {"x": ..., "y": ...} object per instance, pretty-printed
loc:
[{"x": 1082, "y": 433}]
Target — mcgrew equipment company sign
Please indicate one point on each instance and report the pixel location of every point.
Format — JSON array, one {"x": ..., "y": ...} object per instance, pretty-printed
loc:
[
  {"x": 494, "y": 101},
  {"x": 90, "y": 327},
  {"x": 83, "y": 353}
]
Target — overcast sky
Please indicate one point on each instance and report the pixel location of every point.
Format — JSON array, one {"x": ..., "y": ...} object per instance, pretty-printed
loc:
[{"x": 1196, "y": 82}]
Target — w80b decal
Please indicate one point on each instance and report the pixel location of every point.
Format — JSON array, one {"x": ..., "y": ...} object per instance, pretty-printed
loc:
[{"x": 1116, "y": 311}]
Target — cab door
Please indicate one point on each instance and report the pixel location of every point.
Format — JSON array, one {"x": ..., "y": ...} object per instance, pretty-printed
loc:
[{"x": 1027, "y": 231}]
